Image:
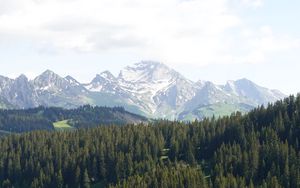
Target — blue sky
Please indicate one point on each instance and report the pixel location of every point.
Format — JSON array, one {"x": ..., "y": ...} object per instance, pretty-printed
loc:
[{"x": 214, "y": 40}]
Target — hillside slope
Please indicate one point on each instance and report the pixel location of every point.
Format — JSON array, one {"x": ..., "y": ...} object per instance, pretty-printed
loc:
[
  {"x": 259, "y": 149},
  {"x": 41, "y": 118}
]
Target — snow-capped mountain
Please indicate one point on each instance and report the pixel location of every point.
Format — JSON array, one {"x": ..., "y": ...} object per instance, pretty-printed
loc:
[
  {"x": 157, "y": 86},
  {"x": 104, "y": 82},
  {"x": 159, "y": 91},
  {"x": 147, "y": 87},
  {"x": 248, "y": 89},
  {"x": 54, "y": 90}
]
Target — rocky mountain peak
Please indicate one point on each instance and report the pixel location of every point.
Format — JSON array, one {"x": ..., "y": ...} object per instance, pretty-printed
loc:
[
  {"x": 103, "y": 78},
  {"x": 147, "y": 71},
  {"x": 49, "y": 73},
  {"x": 72, "y": 81},
  {"x": 22, "y": 78},
  {"x": 48, "y": 79},
  {"x": 107, "y": 75},
  {"x": 244, "y": 82},
  {"x": 47, "y": 76},
  {"x": 151, "y": 88}
]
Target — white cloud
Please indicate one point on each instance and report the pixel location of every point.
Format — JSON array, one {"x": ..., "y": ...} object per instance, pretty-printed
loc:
[
  {"x": 253, "y": 3},
  {"x": 173, "y": 31},
  {"x": 262, "y": 43}
]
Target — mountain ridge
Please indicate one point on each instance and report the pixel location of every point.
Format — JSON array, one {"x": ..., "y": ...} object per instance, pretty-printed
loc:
[{"x": 147, "y": 87}]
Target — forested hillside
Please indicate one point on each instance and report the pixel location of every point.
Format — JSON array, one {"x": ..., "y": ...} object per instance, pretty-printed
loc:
[
  {"x": 260, "y": 149},
  {"x": 42, "y": 118}
]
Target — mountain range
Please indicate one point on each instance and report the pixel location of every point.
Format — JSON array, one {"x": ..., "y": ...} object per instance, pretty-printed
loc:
[{"x": 148, "y": 88}]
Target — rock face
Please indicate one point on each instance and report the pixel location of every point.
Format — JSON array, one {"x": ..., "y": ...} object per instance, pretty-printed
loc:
[{"x": 149, "y": 88}]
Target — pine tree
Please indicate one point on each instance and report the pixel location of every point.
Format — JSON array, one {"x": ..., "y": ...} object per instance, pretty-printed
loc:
[
  {"x": 59, "y": 180},
  {"x": 77, "y": 177},
  {"x": 86, "y": 179},
  {"x": 251, "y": 185}
]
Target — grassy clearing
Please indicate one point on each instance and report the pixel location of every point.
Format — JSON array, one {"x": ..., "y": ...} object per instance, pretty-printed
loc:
[
  {"x": 62, "y": 125},
  {"x": 221, "y": 109},
  {"x": 164, "y": 154},
  {"x": 164, "y": 157}
]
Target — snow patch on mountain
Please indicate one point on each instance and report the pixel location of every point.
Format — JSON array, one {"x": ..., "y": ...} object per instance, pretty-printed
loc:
[{"x": 149, "y": 87}]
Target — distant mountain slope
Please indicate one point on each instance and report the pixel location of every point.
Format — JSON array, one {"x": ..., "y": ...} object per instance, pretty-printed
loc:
[
  {"x": 159, "y": 91},
  {"x": 42, "y": 118},
  {"x": 148, "y": 88}
]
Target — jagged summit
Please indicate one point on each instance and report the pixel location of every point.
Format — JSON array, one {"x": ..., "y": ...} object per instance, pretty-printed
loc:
[
  {"x": 72, "y": 81},
  {"x": 48, "y": 73},
  {"x": 69, "y": 78},
  {"x": 148, "y": 64},
  {"x": 147, "y": 87},
  {"x": 22, "y": 77},
  {"x": 147, "y": 71},
  {"x": 107, "y": 75},
  {"x": 48, "y": 77}
]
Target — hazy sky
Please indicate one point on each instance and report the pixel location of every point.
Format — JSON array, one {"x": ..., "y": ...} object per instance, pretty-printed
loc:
[{"x": 214, "y": 40}]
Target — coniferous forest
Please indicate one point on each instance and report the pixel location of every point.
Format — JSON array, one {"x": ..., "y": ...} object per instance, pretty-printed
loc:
[
  {"x": 42, "y": 118},
  {"x": 259, "y": 149}
]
